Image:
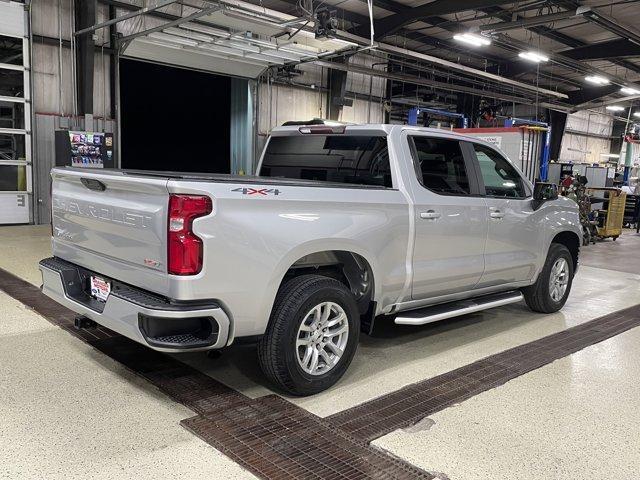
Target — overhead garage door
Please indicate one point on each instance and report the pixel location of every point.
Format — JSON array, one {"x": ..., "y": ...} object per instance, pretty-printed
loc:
[{"x": 15, "y": 116}]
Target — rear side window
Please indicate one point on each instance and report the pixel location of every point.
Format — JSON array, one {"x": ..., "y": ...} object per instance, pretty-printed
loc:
[
  {"x": 440, "y": 165},
  {"x": 352, "y": 159},
  {"x": 499, "y": 177}
]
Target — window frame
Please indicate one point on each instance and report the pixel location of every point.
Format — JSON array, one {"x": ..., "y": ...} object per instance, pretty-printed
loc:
[
  {"x": 474, "y": 186},
  {"x": 528, "y": 192}
]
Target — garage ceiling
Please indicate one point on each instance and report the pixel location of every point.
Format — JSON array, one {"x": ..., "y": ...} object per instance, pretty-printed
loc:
[
  {"x": 578, "y": 45},
  {"x": 581, "y": 38}
]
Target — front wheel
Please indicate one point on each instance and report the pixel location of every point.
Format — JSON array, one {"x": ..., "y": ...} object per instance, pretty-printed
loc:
[
  {"x": 551, "y": 290},
  {"x": 312, "y": 335}
]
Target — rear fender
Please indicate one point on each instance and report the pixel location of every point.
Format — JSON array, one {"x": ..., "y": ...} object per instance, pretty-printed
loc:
[{"x": 309, "y": 248}]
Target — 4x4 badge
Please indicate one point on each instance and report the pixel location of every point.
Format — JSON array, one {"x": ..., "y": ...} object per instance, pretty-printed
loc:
[{"x": 257, "y": 191}]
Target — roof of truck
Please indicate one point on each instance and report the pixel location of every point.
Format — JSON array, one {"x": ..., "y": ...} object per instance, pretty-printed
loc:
[{"x": 371, "y": 128}]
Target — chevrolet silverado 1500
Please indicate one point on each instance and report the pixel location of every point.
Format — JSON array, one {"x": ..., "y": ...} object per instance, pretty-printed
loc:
[{"x": 339, "y": 226}]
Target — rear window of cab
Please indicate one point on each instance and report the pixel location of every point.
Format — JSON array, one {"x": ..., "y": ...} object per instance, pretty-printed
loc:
[{"x": 349, "y": 159}]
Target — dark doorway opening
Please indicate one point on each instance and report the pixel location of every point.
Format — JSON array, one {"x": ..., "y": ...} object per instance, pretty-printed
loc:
[{"x": 174, "y": 119}]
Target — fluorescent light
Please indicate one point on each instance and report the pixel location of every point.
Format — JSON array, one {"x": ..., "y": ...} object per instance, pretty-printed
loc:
[
  {"x": 630, "y": 91},
  {"x": 610, "y": 155},
  {"x": 598, "y": 80},
  {"x": 536, "y": 57},
  {"x": 615, "y": 108},
  {"x": 471, "y": 39},
  {"x": 636, "y": 114}
]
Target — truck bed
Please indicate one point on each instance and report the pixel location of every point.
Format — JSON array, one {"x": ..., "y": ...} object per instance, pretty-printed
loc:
[{"x": 223, "y": 178}]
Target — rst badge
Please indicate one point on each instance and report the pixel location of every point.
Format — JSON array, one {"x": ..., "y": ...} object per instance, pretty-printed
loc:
[{"x": 257, "y": 191}]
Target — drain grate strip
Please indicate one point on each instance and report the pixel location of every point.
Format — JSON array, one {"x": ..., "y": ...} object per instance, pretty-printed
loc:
[
  {"x": 269, "y": 436},
  {"x": 275, "y": 439},
  {"x": 412, "y": 403}
]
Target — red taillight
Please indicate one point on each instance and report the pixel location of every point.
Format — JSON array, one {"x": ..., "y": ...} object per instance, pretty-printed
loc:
[
  {"x": 51, "y": 205},
  {"x": 184, "y": 247}
]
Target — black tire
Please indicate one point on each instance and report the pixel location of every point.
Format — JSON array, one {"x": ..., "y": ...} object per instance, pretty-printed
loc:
[
  {"x": 538, "y": 296},
  {"x": 277, "y": 352}
]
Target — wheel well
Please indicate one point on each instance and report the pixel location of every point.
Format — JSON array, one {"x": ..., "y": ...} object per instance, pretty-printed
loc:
[
  {"x": 572, "y": 242},
  {"x": 346, "y": 267}
]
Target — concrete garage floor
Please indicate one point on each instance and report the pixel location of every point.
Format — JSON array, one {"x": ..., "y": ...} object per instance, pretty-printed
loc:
[{"x": 69, "y": 411}]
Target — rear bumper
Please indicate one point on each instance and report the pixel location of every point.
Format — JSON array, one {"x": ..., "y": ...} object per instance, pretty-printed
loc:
[{"x": 159, "y": 323}]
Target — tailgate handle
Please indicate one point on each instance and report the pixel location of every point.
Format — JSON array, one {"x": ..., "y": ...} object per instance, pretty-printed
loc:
[{"x": 93, "y": 184}]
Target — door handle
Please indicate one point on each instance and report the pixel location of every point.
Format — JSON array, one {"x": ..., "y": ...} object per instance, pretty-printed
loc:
[
  {"x": 495, "y": 213},
  {"x": 430, "y": 215}
]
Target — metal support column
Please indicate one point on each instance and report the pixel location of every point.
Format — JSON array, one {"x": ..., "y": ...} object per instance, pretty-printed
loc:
[
  {"x": 557, "y": 121},
  {"x": 85, "y": 16},
  {"x": 337, "y": 90}
]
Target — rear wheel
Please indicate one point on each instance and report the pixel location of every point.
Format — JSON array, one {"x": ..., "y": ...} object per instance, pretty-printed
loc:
[
  {"x": 312, "y": 335},
  {"x": 551, "y": 290}
]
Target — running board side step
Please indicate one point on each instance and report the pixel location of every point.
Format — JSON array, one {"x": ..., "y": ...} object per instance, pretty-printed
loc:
[{"x": 454, "y": 309}]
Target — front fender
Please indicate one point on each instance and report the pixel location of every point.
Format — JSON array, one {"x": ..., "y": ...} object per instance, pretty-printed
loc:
[{"x": 557, "y": 216}]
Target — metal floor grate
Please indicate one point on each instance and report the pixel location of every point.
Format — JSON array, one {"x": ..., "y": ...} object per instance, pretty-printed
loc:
[
  {"x": 412, "y": 403},
  {"x": 275, "y": 439},
  {"x": 269, "y": 436}
]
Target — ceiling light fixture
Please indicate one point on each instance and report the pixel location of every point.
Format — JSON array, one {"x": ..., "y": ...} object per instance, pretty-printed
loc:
[
  {"x": 615, "y": 108},
  {"x": 610, "y": 155},
  {"x": 629, "y": 91},
  {"x": 636, "y": 114},
  {"x": 598, "y": 80},
  {"x": 536, "y": 57},
  {"x": 472, "y": 39}
]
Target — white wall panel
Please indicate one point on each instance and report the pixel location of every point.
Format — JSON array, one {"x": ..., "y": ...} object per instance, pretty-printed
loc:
[
  {"x": 44, "y": 18},
  {"x": 588, "y": 146},
  {"x": 12, "y": 19},
  {"x": 581, "y": 149},
  {"x": 595, "y": 122},
  {"x": 363, "y": 111},
  {"x": 366, "y": 84},
  {"x": 46, "y": 82},
  {"x": 47, "y": 79},
  {"x": 101, "y": 86},
  {"x": 282, "y": 103},
  {"x": 312, "y": 74}
]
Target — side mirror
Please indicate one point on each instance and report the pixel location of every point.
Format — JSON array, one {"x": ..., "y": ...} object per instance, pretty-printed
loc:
[{"x": 543, "y": 192}]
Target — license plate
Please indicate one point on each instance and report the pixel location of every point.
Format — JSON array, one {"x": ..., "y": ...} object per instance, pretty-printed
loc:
[{"x": 100, "y": 288}]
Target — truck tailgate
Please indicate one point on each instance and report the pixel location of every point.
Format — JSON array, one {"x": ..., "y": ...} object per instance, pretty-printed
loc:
[{"x": 112, "y": 223}]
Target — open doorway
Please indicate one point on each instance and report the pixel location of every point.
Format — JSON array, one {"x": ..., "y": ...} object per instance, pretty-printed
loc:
[{"x": 174, "y": 119}]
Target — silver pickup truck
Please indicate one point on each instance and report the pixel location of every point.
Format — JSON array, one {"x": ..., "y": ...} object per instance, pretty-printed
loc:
[{"x": 341, "y": 225}]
